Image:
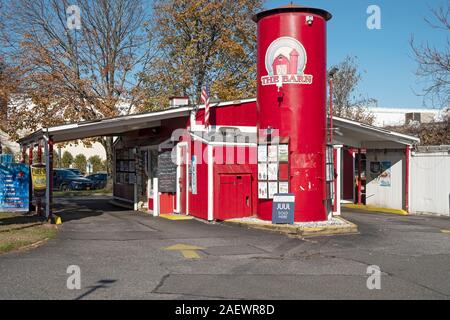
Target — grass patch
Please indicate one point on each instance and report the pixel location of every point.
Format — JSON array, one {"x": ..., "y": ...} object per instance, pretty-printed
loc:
[{"x": 18, "y": 231}]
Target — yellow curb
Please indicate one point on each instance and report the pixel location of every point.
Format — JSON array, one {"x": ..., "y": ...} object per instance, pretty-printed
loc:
[
  {"x": 298, "y": 230},
  {"x": 175, "y": 217},
  {"x": 375, "y": 209}
]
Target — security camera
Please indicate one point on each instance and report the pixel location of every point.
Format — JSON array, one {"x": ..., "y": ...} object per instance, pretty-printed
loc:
[{"x": 309, "y": 20}]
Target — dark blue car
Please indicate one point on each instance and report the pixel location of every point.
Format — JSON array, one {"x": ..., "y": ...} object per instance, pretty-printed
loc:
[
  {"x": 65, "y": 180},
  {"x": 99, "y": 179}
]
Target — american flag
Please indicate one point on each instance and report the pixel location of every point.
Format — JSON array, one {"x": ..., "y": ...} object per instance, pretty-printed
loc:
[{"x": 205, "y": 100}]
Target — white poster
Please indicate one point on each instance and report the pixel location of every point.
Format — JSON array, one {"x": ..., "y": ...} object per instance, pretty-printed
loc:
[
  {"x": 283, "y": 153},
  {"x": 272, "y": 154},
  {"x": 194, "y": 174},
  {"x": 262, "y": 153},
  {"x": 283, "y": 187},
  {"x": 273, "y": 188},
  {"x": 262, "y": 190},
  {"x": 262, "y": 171},
  {"x": 272, "y": 171}
]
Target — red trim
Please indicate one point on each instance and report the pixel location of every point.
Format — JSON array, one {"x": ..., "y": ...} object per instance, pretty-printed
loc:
[
  {"x": 335, "y": 179},
  {"x": 359, "y": 176}
]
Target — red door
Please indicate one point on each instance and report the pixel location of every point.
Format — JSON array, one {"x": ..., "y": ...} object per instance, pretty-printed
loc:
[
  {"x": 182, "y": 181},
  {"x": 235, "y": 196}
]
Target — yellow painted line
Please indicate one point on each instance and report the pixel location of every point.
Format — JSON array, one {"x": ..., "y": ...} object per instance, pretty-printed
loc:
[
  {"x": 175, "y": 217},
  {"x": 376, "y": 209},
  {"x": 445, "y": 231},
  {"x": 188, "y": 251}
]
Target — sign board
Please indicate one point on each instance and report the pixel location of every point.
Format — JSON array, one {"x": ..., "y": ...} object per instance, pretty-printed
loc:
[
  {"x": 167, "y": 172},
  {"x": 38, "y": 180},
  {"x": 283, "y": 208},
  {"x": 14, "y": 187}
]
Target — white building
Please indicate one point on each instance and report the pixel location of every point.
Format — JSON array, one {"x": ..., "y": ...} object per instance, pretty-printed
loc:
[{"x": 397, "y": 116}]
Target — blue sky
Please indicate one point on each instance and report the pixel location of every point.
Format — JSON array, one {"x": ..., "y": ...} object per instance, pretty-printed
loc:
[{"x": 384, "y": 55}]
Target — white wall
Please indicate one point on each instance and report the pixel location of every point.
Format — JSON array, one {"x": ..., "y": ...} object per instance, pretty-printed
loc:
[
  {"x": 392, "y": 196},
  {"x": 430, "y": 183},
  {"x": 396, "y": 116},
  {"x": 96, "y": 149}
]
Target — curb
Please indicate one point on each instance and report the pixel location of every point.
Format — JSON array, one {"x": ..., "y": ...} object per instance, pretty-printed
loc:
[
  {"x": 375, "y": 209},
  {"x": 298, "y": 231}
]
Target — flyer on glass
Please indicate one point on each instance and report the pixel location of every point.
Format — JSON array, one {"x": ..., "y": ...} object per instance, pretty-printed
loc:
[
  {"x": 272, "y": 171},
  {"x": 283, "y": 187},
  {"x": 272, "y": 153},
  {"x": 283, "y": 153},
  {"x": 262, "y": 153},
  {"x": 262, "y": 171},
  {"x": 262, "y": 190},
  {"x": 273, "y": 189}
]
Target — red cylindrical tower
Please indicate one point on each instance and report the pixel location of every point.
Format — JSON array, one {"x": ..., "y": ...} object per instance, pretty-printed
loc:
[{"x": 291, "y": 100}]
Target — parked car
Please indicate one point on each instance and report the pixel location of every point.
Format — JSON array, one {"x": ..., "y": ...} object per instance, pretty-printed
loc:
[
  {"x": 99, "y": 179},
  {"x": 76, "y": 171},
  {"x": 65, "y": 180}
]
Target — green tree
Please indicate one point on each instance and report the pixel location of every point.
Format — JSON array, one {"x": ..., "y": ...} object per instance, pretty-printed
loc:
[
  {"x": 67, "y": 159},
  {"x": 80, "y": 162},
  {"x": 97, "y": 163},
  {"x": 199, "y": 42}
]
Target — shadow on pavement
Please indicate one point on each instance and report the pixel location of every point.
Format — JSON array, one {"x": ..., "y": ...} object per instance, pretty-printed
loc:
[
  {"x": 101, "y": 284},
  {"x": 80, "y": 209}
]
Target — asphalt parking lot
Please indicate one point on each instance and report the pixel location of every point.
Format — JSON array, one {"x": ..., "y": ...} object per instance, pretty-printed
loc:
[{"x": 125, "y": 255}]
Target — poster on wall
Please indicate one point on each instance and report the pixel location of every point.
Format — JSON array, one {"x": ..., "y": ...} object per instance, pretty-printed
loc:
[
  {"x": 262, "y": 190},
  {"x": 262, "y": 171},
  {"x": 283, "y": 187},
  {"x": 14, "y": 187},
  {"x": 272, "y": 171},
  {"x": 194, "y": 175},
  {"x": 385, "y": 176},
  {"x": 273, "y": 189},
  {"x": 38, "y": 180},
  {"x": 262, "y": 153},
  {"x": 283, "y": 153},
  {"x": 272, "y": 153},
  {"x": 374, "y": 170}
]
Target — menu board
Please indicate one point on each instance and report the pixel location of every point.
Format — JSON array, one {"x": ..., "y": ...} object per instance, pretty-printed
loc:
[
  {"x": 167, "y": 172},
  {"x": 14, "y": 187}
]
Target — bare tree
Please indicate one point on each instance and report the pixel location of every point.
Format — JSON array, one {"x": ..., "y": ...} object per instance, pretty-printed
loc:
[
  {"x": 434, "y": 63},
  {"x": 72, "y": 74},
  {"x": 346, "y": 102}
]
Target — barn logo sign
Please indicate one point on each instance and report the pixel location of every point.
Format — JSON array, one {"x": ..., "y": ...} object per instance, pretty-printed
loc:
[{"x": 285, "y": 63}]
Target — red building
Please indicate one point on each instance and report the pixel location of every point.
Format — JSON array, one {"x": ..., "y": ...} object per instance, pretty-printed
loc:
[{"x": 169, "y": 162}]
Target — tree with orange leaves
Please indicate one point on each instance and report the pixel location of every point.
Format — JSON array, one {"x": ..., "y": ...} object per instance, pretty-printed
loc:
[{"x": 203, "y": 41}]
